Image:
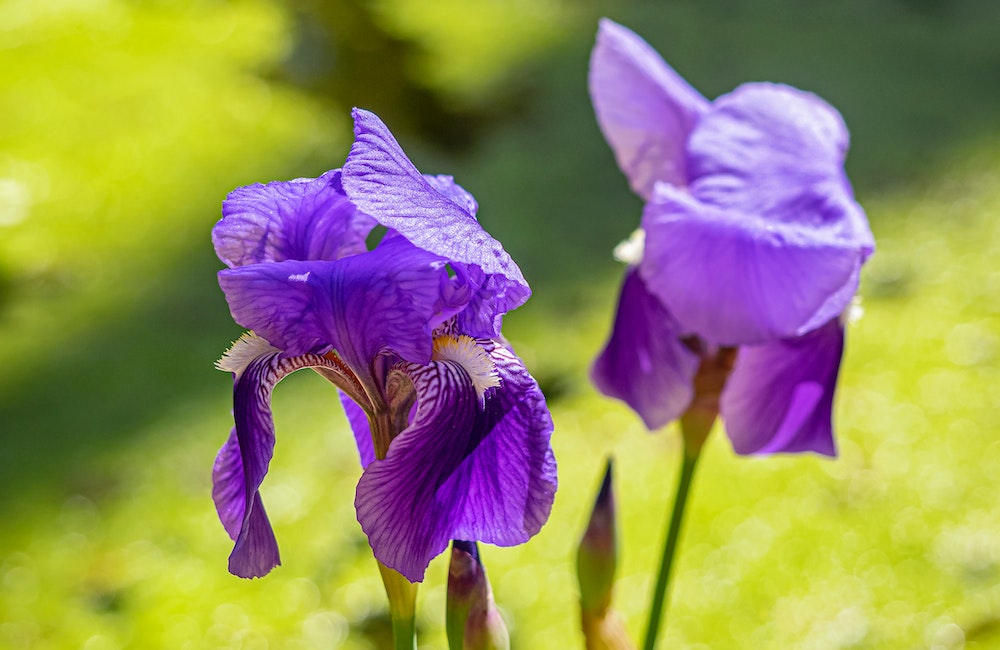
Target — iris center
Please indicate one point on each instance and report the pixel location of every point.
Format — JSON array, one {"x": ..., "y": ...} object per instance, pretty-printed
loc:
[{"x": 466, "y": 352}]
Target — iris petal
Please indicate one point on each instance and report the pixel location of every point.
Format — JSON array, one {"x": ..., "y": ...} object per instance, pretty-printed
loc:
[
  {"x": 243, "y": 461},
  {"x": 644, "y": 363},
  {"x": 459, "y": 471},
  {"x": 777, "y": 153},
  {"x": 779, "y": 397},
  {"x": 303, "y": 219},
  {"x": 358, "y": 420},
  {"x": 398, "y": 500},
  {"x": 509, "y": 479},
  {"x": 644, "y": 108},
  {"x": 737, "y": 279},
  {"x": 431, "y": 212},
  {"x": 384, "y": 299}
]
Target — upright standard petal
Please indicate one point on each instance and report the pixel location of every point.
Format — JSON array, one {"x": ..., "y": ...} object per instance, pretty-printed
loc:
[
  {"x": 644, "y": 363},
  {"x": 361, "y": 305},
  {"x": 303, "y": 219},
  {"x": 243, "y": 461},
  {"x": 779, "y": 397},
  {"x": 735, "y": 278},
  {"x": 777, "y": 153},
  {"x": 431, "y": 212},
  {"x": 644, "y": 108},
  {"x": 461, "y": 470}
]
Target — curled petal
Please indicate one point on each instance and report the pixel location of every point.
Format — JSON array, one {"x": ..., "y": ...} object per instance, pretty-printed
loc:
[
  {"x": 459, "y": 470},
  {"x": 644, "y": 363},
  {"x": 779, "y": 397},
  {"x": 359, "y": 306},
  {"x": 243, "y": 461},
  {"x": 736, "y": 278},
  {"x": 303, "y": 219},
  {"x": 432, "y": 212},
  {"x": 644, "y": 108}
]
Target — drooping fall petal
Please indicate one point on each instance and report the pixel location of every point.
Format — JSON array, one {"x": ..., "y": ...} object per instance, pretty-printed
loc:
[
  {"x": 779, "y": 397},
  {"x": 462, "y": 469},
  {"x": 243, "y": 461},
  {"x": 644, "y": 363}
]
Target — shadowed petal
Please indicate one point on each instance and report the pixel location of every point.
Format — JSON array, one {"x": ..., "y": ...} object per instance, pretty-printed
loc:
[
  {"x": 644, "y": 363},
  {"x": 358, "y": 420},
  {"x": 360, "y": 305},
  {"x": 303, "y": 219},
  {"x": 780, "y": 395},
  {"x": 736, "y": 278},
  {"x": 243, "y": 461},
  {"x": 431, "y": 212},
  {"x": 460, "y": 470},
  {"x": 644, "y": 108}
]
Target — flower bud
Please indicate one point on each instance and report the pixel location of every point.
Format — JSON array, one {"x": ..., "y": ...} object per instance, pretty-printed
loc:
[
  {"x": 597, "y": 554},
  {"x": 473, "y": 621},
  {"x": 596, "y": 561}
]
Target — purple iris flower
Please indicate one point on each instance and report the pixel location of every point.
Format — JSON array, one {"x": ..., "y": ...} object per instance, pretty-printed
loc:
[
  {"x": 751, "y": 239},
  {"x": 452, "y": 431}
]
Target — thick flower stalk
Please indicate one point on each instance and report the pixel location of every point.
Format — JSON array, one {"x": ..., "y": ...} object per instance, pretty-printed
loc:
[
  {"x": 452, "y": 431},
  {"x": 751, "y": 243}
]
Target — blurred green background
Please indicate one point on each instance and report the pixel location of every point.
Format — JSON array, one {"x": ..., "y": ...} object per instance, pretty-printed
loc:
[{"x": 123, "y": 124}]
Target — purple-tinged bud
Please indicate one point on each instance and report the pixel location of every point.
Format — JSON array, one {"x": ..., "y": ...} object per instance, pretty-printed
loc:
[
  {"x": 597, "y": 554},
  {"x": 473, "y": 621},
  {"x": 596, "y": 561}
]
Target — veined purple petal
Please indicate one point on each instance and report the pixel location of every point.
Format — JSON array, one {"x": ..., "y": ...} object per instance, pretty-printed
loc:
[
  {"x": 229, "y": 486},
  {"x": 397, "y": 499},
  {"x": 779, "y": 397},
  {"x": 385, "y": 299},
  {"x": 509, "y": 478},
  {"x": 777, "y": 153},
  {"x": 644, "y": 363},
  {"x": 735, "y": 278},
  {"x": 447, "y": 186},
  {"x": 243, "y": 461},
  {"x": 303, "y": 219},
  {"x": 461, "y": 471},
  {"x": 433, "y": 214},
  {"x": 644, "y": 108}
]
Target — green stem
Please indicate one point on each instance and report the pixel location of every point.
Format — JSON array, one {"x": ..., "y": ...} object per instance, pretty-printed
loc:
[
  {"x": 659, "y": 601},
  {"x": 404, "y": 634},
  {"x": 402, "y": 608}
]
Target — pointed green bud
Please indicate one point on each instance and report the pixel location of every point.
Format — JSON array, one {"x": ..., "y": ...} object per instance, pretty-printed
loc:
[
  {"x": 597, "y": 554},
  {"x": 596, "y": 561},
  {"x": 473, "y": 621}
]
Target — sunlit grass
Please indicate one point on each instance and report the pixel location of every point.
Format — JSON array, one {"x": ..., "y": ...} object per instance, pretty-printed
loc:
[{"x": 891, "y": 545}]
